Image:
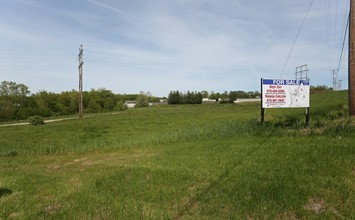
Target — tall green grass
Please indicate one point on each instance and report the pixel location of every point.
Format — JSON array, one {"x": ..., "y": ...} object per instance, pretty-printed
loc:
[{"x": 183, "y": 162}]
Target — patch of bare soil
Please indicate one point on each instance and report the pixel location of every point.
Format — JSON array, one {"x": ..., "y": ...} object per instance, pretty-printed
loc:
[
  {"x": 52, "y": 209},
  {"x": 318, "y": 206},
  {"x": 315, "y": 205},
  {"x": 103, "y": 159}
]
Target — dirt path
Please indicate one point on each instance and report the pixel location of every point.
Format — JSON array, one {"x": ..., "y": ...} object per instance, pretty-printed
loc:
[
  {"x": 53, "y": 120},
  {"x": 45, "y": 121}
]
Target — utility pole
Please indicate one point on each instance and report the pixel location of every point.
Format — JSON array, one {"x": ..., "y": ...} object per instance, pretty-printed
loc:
[
  {"x": 335, "y": 73},
  {"x": 351, "y": 67},
  {"x": 81, "y": 62}
]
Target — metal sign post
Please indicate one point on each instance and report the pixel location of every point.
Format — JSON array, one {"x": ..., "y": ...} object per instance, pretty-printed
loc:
[
  {"x": 307, "y": 117},
  {"x": 262, "y": 110}
]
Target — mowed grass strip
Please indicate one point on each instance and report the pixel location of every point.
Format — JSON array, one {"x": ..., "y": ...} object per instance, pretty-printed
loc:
[{"x": 180, "y": 162}]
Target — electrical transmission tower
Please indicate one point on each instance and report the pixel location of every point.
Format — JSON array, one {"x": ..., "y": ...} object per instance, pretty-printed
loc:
[
  {"x": 81, "y": 62},
  {"x": 302, "y": 72},
  {"x": 340, "y": 85},
  {"x": 335, "y": 73}
]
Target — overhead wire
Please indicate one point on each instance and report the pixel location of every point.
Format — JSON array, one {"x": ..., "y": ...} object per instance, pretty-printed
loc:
[
  {"x": 327, "y": 18},
  {"x": 342, "y": 48},
  {"x": 335, "y": 33},
  {"x": 298, "y": 33},
  {"x": 345, "y": 27}
]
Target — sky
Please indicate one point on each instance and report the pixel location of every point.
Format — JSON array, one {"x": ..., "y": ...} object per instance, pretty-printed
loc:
[{"x": 163, "y": 45}]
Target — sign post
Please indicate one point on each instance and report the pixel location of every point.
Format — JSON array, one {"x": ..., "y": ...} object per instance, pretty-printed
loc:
[
  {"x": 282, "y": 93},
  {"x": 307, "y": 117},
  {"x": 262, "y": 109}
]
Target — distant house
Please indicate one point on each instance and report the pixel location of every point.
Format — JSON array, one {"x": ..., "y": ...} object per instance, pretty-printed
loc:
[
  {"x": 207, "y": 100},
  {"x": 161, "y": 102},
  {"x": 130, "y": 104}
]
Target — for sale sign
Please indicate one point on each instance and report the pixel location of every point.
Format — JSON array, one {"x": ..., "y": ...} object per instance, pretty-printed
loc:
[{"x": 280, "y": 93}]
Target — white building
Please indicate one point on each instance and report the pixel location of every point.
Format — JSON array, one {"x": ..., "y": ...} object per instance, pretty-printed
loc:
[
  {"x": 207, "y": 100},
  {"x": 130, "y": 104}
]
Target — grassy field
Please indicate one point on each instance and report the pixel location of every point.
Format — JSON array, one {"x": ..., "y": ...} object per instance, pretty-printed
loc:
[{"x": 183, "y": 162}]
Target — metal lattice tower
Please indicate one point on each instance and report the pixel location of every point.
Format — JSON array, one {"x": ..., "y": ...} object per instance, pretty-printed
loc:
[
  {"x": 335, "y": 73},
  {"x": 302, "y": 72}
]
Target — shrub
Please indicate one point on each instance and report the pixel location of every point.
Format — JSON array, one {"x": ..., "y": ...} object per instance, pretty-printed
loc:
[
  {"x": 121, "y": 106},
  {"x": 36, "y": 120},
  {"x": 142, "y": 101},
  {"x": 341, "y": 111}
]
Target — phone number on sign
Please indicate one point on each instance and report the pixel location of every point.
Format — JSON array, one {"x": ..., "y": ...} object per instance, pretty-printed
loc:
[{"x": 275, "y": 100}]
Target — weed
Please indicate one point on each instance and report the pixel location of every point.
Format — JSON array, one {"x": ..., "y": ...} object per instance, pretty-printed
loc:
[
  {"x": 5, "y": 192},
  {"x": 10, "y": 154},
  {"x": 36, "y": 120}
]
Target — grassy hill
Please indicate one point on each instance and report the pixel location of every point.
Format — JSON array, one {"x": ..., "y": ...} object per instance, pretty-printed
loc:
[{"x": 183, "y": 162}]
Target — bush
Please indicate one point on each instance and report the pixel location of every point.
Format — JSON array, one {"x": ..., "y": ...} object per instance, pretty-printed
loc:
[
  {"x": 36, "y": 120},
  {"x": 341, "y": 111},
  {"x": 142, "y": 101},
  {"x": 121, "y": 106}
]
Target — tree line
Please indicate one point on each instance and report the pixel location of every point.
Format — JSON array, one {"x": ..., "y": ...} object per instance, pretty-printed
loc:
[
  {"x": 319, "y": 88},
  {"x": 17, "y": 102},
  {"x": 176, "y": 97},
  {"x": 231, "y": 96}
]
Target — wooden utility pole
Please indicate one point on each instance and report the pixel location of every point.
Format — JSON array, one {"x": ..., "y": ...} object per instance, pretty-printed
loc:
[
  {"x": 81, "y": 62},
  {"x": 351, "y": 67}
]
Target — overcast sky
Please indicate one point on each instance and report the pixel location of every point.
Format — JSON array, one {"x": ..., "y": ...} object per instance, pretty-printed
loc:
[{"x": 163, "y": 45}]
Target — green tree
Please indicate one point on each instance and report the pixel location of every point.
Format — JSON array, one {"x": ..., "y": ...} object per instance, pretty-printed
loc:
[
  {"x": 233, "y": 95},
  {"x": 224, "y": 97},
  {"x": 205, "y": 94},
  {"x": 242, "y": 94},
  {"x": 142, "y": 101},
  {"x": 215, "y": 96},
  {"x": 319, "y": 88},
  {"x": 68, "y": 102},
  {"x": 94, "y": 106},
  {"x": 174, "y": 98},
  {"x": 15, "y": 102},
  {"x": 7, "y": 109},
  {"x": 198, "y": 98},
  {"x": 47, "y": 103},
  {"x": 13, "y": 89},
  {"x": 108, "y": 99}
]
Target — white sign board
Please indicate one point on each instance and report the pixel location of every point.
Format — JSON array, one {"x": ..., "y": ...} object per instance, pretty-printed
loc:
[{"x": 281, "y": 93}]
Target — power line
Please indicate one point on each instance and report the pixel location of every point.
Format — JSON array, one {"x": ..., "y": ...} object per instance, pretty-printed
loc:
[
  {"x": 342, "y": 49},
  {"x": 327, "y": 18},
  {"x": 294, "y": 42}
]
